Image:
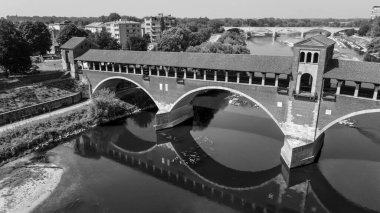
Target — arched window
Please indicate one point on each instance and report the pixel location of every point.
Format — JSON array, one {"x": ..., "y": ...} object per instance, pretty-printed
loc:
[
  {"x": 316, "y": 57},
  {"x": 308, "y": 58},
  {"x": 302, "y": 57},
  {"x": 306, "y": 83}
]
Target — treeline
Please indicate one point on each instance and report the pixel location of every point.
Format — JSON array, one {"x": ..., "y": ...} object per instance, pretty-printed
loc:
[
  {"x": 79, "y": 21},
  {"x": 203, "y": 22}
]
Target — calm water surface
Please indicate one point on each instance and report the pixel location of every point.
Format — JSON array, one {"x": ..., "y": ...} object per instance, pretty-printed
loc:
[{"x": 225, "y": 159}]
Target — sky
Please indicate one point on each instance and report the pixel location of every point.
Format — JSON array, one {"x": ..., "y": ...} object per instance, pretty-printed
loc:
[{"x": 193, "y": 8}]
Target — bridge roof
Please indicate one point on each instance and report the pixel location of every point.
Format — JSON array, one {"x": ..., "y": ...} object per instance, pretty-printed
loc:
[
  {"x": 216, "y": 61},
  {"x": 368, "y": 72}
]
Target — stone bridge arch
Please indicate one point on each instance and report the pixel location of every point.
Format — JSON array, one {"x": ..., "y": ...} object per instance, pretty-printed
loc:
[
  {"x": 186, "y": 98},
  {"x": 113, "y": 81},
  {"x": 332, "y": 123}
]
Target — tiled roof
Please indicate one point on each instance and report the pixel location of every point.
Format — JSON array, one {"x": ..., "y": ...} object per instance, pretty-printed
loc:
[
  {"x": 96, "y": 24},
  {"x": 318, "y": 40},
  {"x": 368, "y": 72},
  {"x": 270, "y": 64},
  {"x": 73, "y": 42}
]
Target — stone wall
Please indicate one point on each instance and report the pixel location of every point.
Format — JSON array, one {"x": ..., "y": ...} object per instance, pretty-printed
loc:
[{"x": 26, "y": 112}]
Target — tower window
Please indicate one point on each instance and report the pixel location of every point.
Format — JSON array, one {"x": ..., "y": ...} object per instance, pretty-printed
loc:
[
  {"x": 308, "y": 57},
  {"x": 302, "y": 57},
  {"x": 316, "y": 57}
]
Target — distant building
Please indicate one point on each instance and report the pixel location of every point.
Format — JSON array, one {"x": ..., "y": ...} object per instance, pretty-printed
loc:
[
  {"x": 95, "y": 27},
  {"x": 155, "y": 25},
  {"x": 122, "y": 30},
  {"x": 54, "y": 29},
  {"x": 375, "y": 12}
]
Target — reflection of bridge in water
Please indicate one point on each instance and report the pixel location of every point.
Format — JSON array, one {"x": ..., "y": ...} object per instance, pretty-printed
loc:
[{"x": 273, "y": 190}]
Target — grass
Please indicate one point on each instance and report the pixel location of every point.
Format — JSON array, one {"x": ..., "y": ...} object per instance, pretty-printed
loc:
[{"x": 104, "y": 108}]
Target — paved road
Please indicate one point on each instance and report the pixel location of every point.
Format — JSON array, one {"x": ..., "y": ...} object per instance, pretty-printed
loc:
[{"x": 46, "y": 115}]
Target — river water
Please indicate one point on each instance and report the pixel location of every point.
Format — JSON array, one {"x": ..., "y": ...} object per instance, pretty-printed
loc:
[{"x": 225, "y": 159}]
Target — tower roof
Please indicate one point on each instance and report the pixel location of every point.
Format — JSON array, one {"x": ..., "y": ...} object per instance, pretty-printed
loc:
[{"x": 316, "y": 41}]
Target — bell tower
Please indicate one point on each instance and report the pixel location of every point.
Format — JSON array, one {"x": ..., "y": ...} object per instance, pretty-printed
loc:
[
  {"x": 310, "y": 61},
  {"x": 311, "y": 57}
]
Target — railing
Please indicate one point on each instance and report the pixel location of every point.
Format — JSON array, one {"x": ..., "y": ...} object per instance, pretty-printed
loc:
[
  {"x": 180, "y": 81},
  {"x": 306, "y": 96},
  {"x": 283, "y": 90},
  {"x": 329, "y": 95}
]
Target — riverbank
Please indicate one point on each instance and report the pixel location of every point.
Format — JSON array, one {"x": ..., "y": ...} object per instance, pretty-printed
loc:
[
  {"x": 48, "y": 132},
  {"x": 26, "y": 183}
]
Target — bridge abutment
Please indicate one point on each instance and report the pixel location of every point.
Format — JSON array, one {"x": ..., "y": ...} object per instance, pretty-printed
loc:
[
  {"x": 168, "y": 119},
  {"x": 297, "y": 152}
]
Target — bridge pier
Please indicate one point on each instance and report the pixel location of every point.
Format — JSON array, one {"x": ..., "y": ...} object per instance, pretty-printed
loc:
[
  {"x": 297, "y": 152},
  {"x": 168, "y": 119}
]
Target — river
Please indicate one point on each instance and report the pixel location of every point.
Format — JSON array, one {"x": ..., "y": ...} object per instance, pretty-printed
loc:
[
  {"x": 268, "y": 46},
  {"x": 225, "y": 159}
]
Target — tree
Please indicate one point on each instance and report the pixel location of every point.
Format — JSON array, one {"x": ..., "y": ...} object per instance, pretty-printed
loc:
[
  {"x": 216, "y": 25},
  {"x": 364, "y": 29},
  {"x": 37, "y": 35},
  {"x": 373, "y": 48},
  {"x": 113, "y": 17},
  {"x": 14, "y": 50},
  {"x": 375, "y": 31},
  {"x": 217, "y": 47},
  {"x": 104, "y": 40},
  {"x": 68, "y": 32},
  {"x": 175, "y": 39},
  {"x": 138, "y": 43},
  {"x": 233, "y": 38}
]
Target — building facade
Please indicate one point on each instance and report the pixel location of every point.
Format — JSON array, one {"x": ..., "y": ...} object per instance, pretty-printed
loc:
[
  {"x": 95, "y": 27},
  {"x": 155, "y": 25},
  {"x": 375, "y": 12},
  {"x": 122, "y": 30}
]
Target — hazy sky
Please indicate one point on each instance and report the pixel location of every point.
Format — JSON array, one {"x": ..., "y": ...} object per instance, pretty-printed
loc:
[{"x": 193, "y": 8}]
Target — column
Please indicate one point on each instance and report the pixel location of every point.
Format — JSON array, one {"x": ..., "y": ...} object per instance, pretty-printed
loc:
[
  {"x": 226, "y": 77},
  {"x": 185, "y": 74},
  {"x": 357, "y": 89},
  {"x": 263, "y": 79},
  {"x": 376, "y": 92},
  {"x": 250, "y": 77},
  {"x": 175, "y": 72},
  {"x": 276, "y": 80},
  {"x": 238, "y": 77},
  {"x": 166, "y": 72},
  {"x": 150, "y": 70},
  {"x": 120, "y": 68},
  {"x": 204, "y": 74},
  {"x": 215, "y": 75},
  {"x": 134, "y": 69},
  {"x": 338, "y": 87},
  {"x": 106, "y": 65},
  {"x": 113, "y": 67}
]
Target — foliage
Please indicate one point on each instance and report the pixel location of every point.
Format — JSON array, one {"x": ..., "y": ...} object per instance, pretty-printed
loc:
[
  {"x": 349, "y": 32},
  {"x": 175, "y": 39},
  {"x": 113, "y": 17},
  {"x": 216, "y": 26},
  {"x": 104, "y": 40},
  {"x": 217, "y": 47},
  {"x": 138, "y": 43},
  {"x": 70, "y": 31},
  {"x": 375, "y": 29},
  {"x": 14, "y": 50},
  {"x": 233, "y": 38},
  {"x": 37, "y": 35},
  {"x": 364, "y": 29}
]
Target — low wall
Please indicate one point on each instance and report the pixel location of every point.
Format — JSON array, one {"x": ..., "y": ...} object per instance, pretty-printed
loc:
[{"x": 27, "y": 112}]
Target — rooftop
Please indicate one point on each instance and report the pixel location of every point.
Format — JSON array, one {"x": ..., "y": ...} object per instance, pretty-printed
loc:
[
  {"x": 123, "y": 22},
  {"x": 368, "y": 72},
  {"x": 235, "y": 62},
  {"x": 318, "y": 40},
  {"x": 96, "y": 24}
]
